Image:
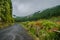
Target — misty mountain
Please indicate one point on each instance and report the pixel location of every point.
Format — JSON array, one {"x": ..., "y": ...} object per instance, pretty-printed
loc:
[{"x": 45, "y": 14}]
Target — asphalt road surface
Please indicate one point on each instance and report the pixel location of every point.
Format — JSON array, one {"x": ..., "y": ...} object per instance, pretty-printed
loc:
[{"x": 15, "y": 32}]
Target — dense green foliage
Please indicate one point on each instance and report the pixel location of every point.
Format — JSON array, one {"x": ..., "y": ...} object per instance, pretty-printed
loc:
[
  {"x": 43, "y": 29},
  {"x": 45, "y": 14},
  {"x": 6, "y": 11}
]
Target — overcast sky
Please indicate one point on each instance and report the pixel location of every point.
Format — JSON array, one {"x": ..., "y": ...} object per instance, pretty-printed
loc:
[{"x": 26, "y": 7}]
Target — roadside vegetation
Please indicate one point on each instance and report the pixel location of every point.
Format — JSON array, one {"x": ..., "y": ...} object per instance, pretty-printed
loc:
[
  {"x": 43, "y": 29},
  {"x": 5, "y": 13}
]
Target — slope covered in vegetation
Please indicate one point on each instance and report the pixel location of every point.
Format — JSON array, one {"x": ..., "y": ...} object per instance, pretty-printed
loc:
[
  {"x": 43, "y": 29},
  {"x": 48, "y": 13}
]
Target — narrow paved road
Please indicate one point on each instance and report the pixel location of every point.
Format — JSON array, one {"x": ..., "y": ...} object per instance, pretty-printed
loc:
[{"x": 16, "y": 32}]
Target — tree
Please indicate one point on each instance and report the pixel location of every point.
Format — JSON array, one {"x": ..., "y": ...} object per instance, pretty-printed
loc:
[{"x": 6, "y": 10}]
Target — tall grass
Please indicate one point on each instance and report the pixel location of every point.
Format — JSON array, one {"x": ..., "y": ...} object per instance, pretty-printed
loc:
[{"x": 43, "y": 29}]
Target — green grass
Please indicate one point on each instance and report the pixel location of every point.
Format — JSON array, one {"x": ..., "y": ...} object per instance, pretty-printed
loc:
[{"x": 44, "y": 30}]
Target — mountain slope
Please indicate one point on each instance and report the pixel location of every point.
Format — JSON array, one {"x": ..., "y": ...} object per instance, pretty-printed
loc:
[
  {"x": 48, "y": 13},
  {"x": 45, "y": 14}
]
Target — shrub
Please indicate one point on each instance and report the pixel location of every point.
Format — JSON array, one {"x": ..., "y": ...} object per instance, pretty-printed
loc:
[{"x": 44, "y": 29}]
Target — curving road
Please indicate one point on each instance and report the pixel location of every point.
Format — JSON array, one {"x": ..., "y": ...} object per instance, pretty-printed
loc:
[{"x": 16, "y": 32}]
